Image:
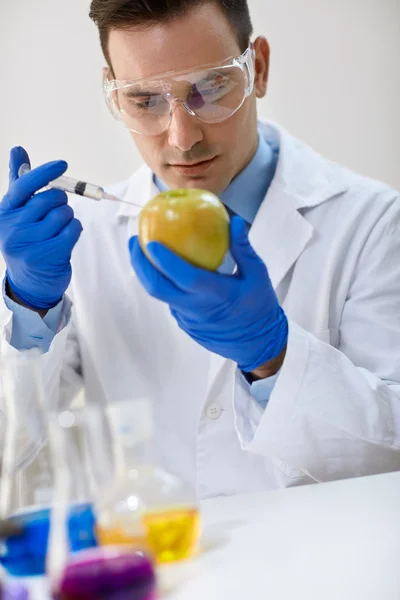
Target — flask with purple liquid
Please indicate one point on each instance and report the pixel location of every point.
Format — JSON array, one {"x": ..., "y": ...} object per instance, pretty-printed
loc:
[
  {"x": 112, "y": 573},
  {"x": 107, "y": 573}
]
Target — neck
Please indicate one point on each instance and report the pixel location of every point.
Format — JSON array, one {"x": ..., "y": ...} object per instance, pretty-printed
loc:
[{"x": 250, "y": 155}]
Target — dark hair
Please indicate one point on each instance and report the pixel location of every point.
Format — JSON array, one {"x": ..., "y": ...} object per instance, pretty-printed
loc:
[{"x": 121, "y": 14}]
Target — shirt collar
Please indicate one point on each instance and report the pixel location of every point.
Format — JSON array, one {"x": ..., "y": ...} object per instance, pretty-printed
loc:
[{"x": 247, "y": 191}]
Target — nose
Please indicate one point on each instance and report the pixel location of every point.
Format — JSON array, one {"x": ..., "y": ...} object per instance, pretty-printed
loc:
[{"x": 184, "y": 130}]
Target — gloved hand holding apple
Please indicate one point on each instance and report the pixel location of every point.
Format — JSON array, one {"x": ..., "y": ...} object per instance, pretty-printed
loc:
[{"x": 183, "y": 238}]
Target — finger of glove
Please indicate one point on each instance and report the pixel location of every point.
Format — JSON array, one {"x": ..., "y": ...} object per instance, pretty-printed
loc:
[
  {"x": 150, "y": 277},
  {"x": 70, "y": 235},
  {"x": 42, "y": 203},
  {"x": 21, "y": 190},
  {"x": 51, "y": 226},
  {"x": 61, "y": 246},
  {"x": 246, "y": 258},
  {"x": 18, "y": 157},
  {"x": 184, "y": 275},
  {"x": 52, "y": 255}
]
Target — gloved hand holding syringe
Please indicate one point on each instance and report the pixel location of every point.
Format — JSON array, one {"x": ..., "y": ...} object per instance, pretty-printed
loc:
[
  {"x": 39, "y": 230},
  {"x": 75, "y": 186}
]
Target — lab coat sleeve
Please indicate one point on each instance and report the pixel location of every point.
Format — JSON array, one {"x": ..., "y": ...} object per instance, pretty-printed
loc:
[
  {"x": 60, "y": 365},
  {"x": 335, "y": 411}
]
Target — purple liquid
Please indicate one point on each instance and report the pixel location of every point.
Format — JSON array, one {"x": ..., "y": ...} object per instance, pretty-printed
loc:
[{"x": 109, "y": 574}]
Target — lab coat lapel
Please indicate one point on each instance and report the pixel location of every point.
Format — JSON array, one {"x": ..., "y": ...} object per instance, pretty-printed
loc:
[
  {"x": 279, "y": 234},
  {"x": 303, "y": 180}
]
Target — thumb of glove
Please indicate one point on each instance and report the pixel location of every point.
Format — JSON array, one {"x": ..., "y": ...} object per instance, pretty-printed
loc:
[
  {"x": 18, "y": 156},
  {"x": 245, "y": 257}
]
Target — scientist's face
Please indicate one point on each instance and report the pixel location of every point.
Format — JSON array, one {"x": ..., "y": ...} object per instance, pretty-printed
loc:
[{"x": 191, "y": 153}]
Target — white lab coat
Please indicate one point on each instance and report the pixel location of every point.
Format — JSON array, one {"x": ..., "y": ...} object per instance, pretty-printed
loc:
[{"x": 331, "y": 241}]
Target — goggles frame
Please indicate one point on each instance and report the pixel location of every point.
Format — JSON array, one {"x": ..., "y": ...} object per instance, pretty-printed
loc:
[{"x": 245, "y": 62}]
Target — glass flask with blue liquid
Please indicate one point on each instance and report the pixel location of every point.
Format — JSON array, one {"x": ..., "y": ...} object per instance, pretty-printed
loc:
[{"x": 28, "y": 470}]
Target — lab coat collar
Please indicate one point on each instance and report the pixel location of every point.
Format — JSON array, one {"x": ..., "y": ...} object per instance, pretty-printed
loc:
[{"x": 302, "y": 175}]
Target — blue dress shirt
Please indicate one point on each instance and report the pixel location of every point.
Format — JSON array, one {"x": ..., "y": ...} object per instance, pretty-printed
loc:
[{"x": 243, "y": 197}]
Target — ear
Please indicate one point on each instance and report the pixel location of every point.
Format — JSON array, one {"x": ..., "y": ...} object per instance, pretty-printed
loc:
[{"x": 262, "y": 57}]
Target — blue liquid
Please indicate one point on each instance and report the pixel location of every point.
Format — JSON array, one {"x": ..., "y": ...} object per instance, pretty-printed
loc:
[{"x": 24, "y": 555}]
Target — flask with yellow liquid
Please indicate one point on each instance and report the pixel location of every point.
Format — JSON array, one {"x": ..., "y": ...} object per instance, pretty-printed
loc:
[{"x": 145, "y": 506}]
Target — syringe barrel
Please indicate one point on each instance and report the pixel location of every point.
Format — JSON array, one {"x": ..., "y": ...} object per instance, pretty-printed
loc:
[
  {"x": 68, "y": 184},
  {"x": 81, "y": 188}
]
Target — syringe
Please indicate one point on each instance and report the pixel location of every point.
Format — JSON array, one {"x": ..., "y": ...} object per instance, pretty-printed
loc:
[{"x": 74, "y": 186}]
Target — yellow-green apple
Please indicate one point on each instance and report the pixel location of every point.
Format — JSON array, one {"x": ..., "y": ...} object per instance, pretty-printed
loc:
[{"x": 192, "y": 223}]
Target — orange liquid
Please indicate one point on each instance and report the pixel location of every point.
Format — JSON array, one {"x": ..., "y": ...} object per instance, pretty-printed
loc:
[
  {"x": 116, "y": 536},
  {"x": 170, "y": 535}
]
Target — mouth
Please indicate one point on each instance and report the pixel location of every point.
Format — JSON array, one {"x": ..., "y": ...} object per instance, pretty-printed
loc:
[{"x": 193, "y": 169}]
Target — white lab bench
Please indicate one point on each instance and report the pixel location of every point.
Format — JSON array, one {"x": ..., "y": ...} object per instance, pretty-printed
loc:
[{"x": 339, "y": 540}]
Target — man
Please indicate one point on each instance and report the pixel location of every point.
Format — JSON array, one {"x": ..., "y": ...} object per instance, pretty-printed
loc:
[{"x": 284, "y": 372}]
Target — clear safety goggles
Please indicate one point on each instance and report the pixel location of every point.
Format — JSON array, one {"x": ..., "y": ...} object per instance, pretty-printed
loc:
[{"x": 211, "y": 93}]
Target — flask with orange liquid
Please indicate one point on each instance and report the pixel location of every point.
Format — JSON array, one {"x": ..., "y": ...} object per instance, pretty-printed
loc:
[{"x": 145, "y": 506}]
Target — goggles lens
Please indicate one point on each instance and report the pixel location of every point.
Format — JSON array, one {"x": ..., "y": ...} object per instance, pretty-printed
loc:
[{"x": 212, "y": 95}]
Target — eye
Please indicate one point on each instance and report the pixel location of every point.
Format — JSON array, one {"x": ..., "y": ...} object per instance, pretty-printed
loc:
[{"x": 143, "y": 103}]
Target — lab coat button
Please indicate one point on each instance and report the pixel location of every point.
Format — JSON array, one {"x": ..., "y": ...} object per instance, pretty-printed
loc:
[{"x": 214, "y": 411}]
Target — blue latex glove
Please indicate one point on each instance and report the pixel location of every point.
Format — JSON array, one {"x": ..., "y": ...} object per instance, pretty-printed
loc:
[
  {"x": 236, "y": 316},
  {"x": 38, "y": 232}
]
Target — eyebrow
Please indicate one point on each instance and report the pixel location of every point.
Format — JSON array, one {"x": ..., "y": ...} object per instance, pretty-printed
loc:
[{"x": 139, "y": 93}]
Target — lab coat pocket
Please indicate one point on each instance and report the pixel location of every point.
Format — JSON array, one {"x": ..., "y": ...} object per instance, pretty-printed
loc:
[{"x": 290, "y": 476}]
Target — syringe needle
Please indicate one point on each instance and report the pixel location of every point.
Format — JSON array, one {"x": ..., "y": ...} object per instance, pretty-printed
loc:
[{"x": 116, "y": 199}]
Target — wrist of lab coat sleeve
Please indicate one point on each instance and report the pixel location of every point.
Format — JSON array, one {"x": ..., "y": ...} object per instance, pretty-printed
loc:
[
  {"x": 30, "y": 330},
  {"x": 326, "y": 418},
  {"x": 261, "y": 390},
  {"x": 251, "y": 418}
]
